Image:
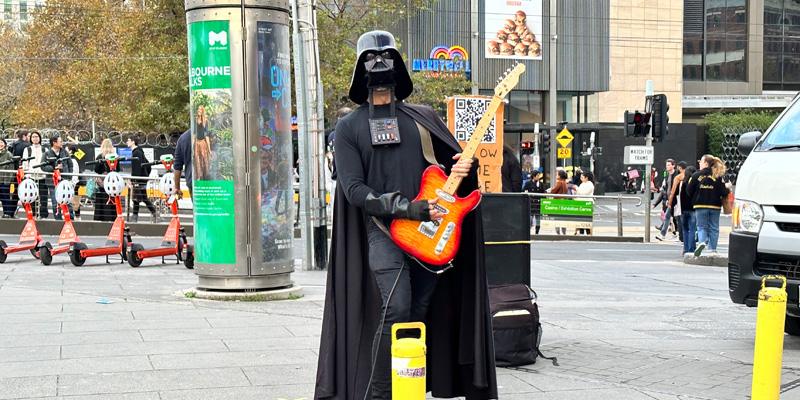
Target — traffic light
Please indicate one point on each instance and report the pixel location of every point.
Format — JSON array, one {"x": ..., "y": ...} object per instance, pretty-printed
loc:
[
  {"x": 660, "y": 117},
  {"x": 628, "y": 123},
  {"x": 526, "y": 145},
  {"x": 637, "y": 124},
  {"x": 545, "y": 144}
]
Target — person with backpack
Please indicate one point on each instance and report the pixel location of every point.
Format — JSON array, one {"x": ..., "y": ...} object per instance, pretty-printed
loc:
[
  {"x": 36, "y": 150},
  {"x": 139, "y": 167}
]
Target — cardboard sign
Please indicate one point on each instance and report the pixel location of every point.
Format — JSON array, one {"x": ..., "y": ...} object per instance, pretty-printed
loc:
[{"x": 463, "y": 115}]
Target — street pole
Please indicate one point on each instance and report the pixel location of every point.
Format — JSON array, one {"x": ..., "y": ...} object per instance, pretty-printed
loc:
[
  {"x": 552, "y": 97},
  {"x": 302, "y": 137},
  {"x": 648, "y": 167}
]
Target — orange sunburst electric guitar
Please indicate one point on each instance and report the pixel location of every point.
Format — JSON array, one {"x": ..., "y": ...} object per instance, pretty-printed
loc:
[{"x": 436, "y": 242}]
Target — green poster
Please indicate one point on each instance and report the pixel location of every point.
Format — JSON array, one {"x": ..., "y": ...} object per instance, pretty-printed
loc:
[
  {"x": 209, "y": 55},
  {"x": 212, "y": 142},
  {"x": 213, "y": 217}
]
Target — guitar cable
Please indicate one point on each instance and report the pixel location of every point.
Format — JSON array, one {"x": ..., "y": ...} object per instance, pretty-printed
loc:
[{"x": 377, "y": 346}]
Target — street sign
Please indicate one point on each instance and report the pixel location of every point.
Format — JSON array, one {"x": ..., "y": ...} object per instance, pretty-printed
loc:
[
  {"x": 564, "y": 152},
  {"x": 564, "y": 138},
  {"x": 639, "y": 155}
]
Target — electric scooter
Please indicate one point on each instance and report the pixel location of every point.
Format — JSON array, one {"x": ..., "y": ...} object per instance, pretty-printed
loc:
[
  {"x": 28, "y": 191},
  {"x": 119, "y": 236},
  {"x": 174, "y": 239},
  {"x": 65, "y": 191}
]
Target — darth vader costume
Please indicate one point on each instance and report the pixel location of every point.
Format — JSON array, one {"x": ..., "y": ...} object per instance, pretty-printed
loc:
[{"x": 460, "y": 353}]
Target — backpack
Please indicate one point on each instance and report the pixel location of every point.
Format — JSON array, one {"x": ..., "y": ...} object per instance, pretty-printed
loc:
[{"x": 516, "y": 327}]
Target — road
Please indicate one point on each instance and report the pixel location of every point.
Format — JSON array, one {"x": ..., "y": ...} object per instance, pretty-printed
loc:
[{"x": 626, "y": 321}]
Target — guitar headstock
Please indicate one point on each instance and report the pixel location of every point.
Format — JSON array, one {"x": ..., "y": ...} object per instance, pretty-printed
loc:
[{"x": 509, "y": 80}]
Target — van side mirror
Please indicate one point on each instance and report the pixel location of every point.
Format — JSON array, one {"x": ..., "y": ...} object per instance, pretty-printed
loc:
[{"x": 747, "y": 142}]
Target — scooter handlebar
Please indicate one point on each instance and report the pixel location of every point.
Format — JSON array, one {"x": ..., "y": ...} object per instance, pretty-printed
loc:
[{"x": 50, "y": 160}]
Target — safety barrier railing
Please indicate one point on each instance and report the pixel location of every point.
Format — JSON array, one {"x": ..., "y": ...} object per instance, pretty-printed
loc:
[
  {"x": 150, "y": 188},
  {"x": 83, "y": 136},
  {"x": 617, "y": 198}
]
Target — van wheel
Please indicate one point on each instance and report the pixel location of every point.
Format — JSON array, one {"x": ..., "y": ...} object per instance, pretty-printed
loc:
[{"x": 792, "y": 325}]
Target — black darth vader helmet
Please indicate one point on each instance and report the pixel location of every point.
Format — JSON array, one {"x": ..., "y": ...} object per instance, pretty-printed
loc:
[{"x": 379, "y": 64}]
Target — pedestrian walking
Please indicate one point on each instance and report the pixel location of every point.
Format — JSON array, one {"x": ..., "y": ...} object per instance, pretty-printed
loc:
[
  {"x": 686, "y": 211},
  {"x": 510, "y": 171},
  {"x": 535, "y": 185},
  {"x": 671, "y": 202},
  {"x": 183, "y": 161},
  {"x": 586, "y": 188},
  {"x": 139, "y": 167},
  {"x": 706, "y": 189},
  {"x": 560, "y": 188},
  {"x": 36, "y": 150},
  {"x": 669, "y": 178},
  {"x": 22, "y": 143}
]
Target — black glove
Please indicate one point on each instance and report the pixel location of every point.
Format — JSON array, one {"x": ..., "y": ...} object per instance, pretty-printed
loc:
[{"x": 396, "y": 206}]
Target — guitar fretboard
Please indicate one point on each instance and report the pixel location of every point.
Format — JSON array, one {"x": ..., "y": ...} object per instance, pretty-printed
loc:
[{"x": 451, "y": 186}]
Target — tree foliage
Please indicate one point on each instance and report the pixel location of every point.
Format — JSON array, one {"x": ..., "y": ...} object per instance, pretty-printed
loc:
[
  {"x": 718, "y": 121},
  {"x": 12, "y": 46},
  {"x": 341, "y": 22},
  {"x": 122, "y": 66}
]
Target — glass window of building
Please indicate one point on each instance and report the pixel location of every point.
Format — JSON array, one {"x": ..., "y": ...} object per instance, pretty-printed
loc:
[
  {"x": 715, "y": 40},
  {"x": 7, "y": 10},
  {"x": 781, "y": 45},
  {"x": 23, "y": 11}
]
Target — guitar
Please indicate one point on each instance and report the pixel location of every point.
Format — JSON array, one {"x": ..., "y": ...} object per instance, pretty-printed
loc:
[{"x": 436, "y": 242}]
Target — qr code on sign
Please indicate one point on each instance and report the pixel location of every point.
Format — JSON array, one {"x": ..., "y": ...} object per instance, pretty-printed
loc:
[{"x": 468, "y": 113}]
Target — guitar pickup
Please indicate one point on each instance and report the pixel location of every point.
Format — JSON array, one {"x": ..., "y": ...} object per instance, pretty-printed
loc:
[
  {"x": 429, "y": 228},
  {"x": 445, "y": 237},
  {"x": 441, "y": 209}
]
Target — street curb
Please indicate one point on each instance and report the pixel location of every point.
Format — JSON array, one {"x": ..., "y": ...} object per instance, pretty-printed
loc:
[
  {"x": 579, "y": 238},
  {"x": 294, "y": 292},
  {"x": 705, "y": 260}
]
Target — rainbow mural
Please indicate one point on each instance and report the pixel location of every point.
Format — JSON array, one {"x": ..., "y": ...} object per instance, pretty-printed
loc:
[
  {"x": 444, "y": 59},
  {"x": 448, "y": 53}
]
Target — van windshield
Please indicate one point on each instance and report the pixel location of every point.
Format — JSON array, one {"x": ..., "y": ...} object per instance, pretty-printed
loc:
[{"x": 786, "y": 133}]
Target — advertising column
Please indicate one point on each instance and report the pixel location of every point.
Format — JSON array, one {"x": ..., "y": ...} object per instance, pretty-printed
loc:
[{"x": 212, "y": 128}]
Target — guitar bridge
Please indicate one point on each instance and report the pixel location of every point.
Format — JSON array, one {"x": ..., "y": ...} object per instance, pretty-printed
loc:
[{"x": 429, "y": 228}]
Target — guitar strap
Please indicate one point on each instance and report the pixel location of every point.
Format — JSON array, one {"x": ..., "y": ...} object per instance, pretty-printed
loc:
[{"x": 430, "y": 157}]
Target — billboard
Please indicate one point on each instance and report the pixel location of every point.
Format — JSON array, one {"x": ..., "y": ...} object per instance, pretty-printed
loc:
[{"x": 513, "y": 29}]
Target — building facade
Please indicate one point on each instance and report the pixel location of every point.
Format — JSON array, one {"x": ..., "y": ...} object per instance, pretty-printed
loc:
[{"x": 18, "y": 13}]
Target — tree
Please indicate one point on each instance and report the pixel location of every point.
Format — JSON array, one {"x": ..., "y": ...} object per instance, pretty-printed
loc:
[
  {"x": 12, "y": 45},
  {"x": 718, "y": 121},
  {"x": 122, "y": 66},
  {"x": 341, "y": 22}
]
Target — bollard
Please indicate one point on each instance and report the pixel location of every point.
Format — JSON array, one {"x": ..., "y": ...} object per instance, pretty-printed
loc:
[
  {"x": 769, "y": 338},
  {"x": 408, "y": 363}
]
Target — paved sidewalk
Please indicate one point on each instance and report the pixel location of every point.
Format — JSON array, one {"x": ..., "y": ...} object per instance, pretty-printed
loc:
[{"x": 622, "y": 328}]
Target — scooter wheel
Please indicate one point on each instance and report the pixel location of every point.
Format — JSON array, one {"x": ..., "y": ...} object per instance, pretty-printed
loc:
[
  {"x": 45, "y": 256},
  {"x": 188, "y": 260},
  {"x": 75, "y": 254},
  {"x": 35, "y": 252},
  {"x": 2, "y": 251},
  {"x": 124, "y": 248},
  {"x": 181, "y": 242},
  {"x": 133, "y": 255}
]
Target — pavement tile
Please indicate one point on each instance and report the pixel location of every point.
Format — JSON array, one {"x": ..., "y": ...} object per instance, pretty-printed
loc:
[
  {"x": 29, "y": 308},
  {"x": 74, "y": 366},
  {"x": 131, "y": 382},
  {"x": 142, "y": 348},
  {"x": 49, "y": 339},
  {"x": 287, "y": 391},
  {"x": 59, "y": 316},
  {"x": 214, "y": 333},
  {"x": 20, "y": 388},
  {"x": 11, "y": 354},
  {"x": 261, "y": 320},
  {"x": 232, "y": 359},
  {"x": 116, "y": 396},
  {"x": 278, "y": 343},
  {"x": 28, "y": 328},
  {"x": 270, "y": 375},
  {"x": 133, "y": 324}
]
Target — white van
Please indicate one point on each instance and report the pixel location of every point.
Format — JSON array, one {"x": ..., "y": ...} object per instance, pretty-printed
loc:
[{"x": 766, "y": 216}]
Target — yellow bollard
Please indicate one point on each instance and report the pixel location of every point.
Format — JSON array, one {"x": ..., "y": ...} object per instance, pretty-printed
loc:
[
  {"x": 768, "y": 355},
  {"x": 408, "y": 363}
]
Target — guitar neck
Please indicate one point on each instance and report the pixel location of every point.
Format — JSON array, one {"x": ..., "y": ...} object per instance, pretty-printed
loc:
[{"x": 452, "y": 184}]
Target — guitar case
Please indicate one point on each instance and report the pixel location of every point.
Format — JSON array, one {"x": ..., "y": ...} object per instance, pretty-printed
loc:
[{"x": 460, "y": 348}]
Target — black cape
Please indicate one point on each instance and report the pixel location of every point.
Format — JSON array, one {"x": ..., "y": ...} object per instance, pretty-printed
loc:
[{"x": 460, "y": 353}]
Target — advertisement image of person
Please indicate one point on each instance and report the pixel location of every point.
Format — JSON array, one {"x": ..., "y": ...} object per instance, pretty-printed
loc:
[
  {"x": 267, "y": 165},
  {"x": 202, "y": 148}
]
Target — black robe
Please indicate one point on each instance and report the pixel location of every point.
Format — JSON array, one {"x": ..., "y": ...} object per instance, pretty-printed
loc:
[{"x": 460, "y": 353}]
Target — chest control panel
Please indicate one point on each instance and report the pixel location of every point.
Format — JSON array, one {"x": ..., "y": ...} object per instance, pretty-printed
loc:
[{"x": 384, "y": 131}]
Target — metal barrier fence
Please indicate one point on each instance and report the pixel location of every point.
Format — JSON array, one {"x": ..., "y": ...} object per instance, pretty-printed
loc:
[
  {"x": 83, "y": 136},
  {"x": 151, "y": 189}
]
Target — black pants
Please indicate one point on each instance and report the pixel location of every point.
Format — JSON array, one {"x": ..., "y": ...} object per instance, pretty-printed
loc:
[
  {"x": 409, "y": 302},
  {"x": 140, "y": 195},
  {"x": 44, "y": 195}
]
